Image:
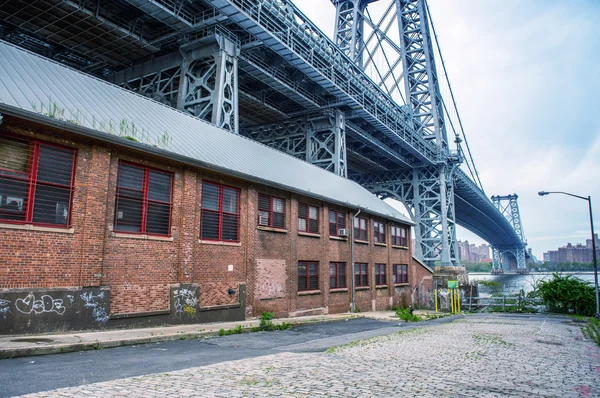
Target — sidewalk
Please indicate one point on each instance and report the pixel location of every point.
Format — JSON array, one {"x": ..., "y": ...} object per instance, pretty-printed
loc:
[{"x": 12, "y": 346}]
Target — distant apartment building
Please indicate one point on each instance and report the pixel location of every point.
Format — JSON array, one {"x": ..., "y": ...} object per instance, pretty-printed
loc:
[
  {"x": 570, "y": 253},
  {"x": 472, "y": 253}
]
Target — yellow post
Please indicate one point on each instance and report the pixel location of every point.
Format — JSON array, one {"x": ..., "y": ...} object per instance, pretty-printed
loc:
[
  {"x": 451, "y": 298},
  {"x": 454, "y": 299},
  {"x": 436, "y": 300},
  {"x": 458, "y": 299}
]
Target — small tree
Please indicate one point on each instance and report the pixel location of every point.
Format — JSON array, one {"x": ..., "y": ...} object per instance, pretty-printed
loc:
[{"x": 568, "y": 294}]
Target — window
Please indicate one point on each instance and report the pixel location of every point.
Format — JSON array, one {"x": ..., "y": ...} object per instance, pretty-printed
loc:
[
  {"x": 271, "y": 211},
  {"x": 399, "y": 236},
  {"x": 308, "y": 218},
  {"x": 380, "y": 277},
  {"x": 360, "y": 228},
  {"x": 308, "y": 275},
  {"x": 143, "y": 200},
  {"x": 337, "y": 275},
  {"x": 36, "y": 182},
  {"x": 361, "y": 275},
  {"x": 220, "y": 213},
  {"x": 379, "y": 232},
  {"x": 337, "y": 221},
  {"x": 400, "y": 273}
]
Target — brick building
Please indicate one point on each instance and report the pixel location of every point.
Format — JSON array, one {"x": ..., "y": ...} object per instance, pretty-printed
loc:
[{"x": 116, "y": 209}]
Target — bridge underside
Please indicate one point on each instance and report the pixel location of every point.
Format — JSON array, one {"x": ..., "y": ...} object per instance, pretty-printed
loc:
[{"x": 285, "y": 69}]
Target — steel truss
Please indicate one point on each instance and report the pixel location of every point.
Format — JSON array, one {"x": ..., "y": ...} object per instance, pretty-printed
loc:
[
  {"x": 319, "y": 139},
  {"x": 510, "y": 211},
  {"x": 419, "y": 190},
  {"x": 428, "y": 192}
]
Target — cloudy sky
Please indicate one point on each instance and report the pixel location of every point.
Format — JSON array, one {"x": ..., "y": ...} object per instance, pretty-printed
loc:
[{"x": 526, "y": 77}]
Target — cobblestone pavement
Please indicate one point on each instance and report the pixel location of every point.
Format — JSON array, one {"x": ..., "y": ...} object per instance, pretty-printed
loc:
[{"x": 476, "y": 356}]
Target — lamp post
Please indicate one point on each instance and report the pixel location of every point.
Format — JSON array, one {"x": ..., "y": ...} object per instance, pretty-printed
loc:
[{"x": 589, "y": 200}]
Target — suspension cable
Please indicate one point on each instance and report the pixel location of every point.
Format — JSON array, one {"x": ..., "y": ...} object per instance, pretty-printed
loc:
[{"x": 452, "y": 93}]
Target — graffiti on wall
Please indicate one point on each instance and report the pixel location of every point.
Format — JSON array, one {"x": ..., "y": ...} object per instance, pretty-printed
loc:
[
  {"x": 271, "y": 278},
  {"x": 186, "y": 301},
  {"x": 29, "y": 305},
  {"x": 98, "y": 311},
  {"x": 4, "y": 307}
]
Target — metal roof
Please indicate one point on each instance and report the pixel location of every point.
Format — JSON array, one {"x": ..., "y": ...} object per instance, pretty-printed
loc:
[{"x": 37, "y": 87}]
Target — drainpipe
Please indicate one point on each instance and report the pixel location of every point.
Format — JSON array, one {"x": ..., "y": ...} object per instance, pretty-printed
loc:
[{"x": 352, "y": 255}]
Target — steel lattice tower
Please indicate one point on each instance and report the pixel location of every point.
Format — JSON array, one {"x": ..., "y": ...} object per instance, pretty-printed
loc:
[{"x": 509, "y": 207}]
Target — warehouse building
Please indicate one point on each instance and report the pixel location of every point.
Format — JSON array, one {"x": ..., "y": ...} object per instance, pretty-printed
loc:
[{"x": 116, "y": 209}]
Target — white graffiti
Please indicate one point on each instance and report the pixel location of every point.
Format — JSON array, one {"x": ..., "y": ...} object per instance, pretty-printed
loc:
[
  {"x": 98, "y": 311},
  {"x": 4, "y": 307},
  {"x": 46, "y": 303},
  {"x": 184, "y": 297},
  {"x": 271, "y": 289},
  {"x": 71, "y": 298}
]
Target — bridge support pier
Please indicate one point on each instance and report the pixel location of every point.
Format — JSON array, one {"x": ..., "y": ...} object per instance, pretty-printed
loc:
[
  {"x": 500, "y": 258},
  {"x": 428, "y": 194},
  {"x": 209, "y": 81},
  {"x": 319, "y": 139}
]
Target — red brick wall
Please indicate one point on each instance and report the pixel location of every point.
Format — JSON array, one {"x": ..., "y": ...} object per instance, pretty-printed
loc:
[{"x": 140, "y": 270}]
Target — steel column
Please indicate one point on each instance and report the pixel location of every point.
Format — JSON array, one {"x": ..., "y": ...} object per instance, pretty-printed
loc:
[{"x": 209, "y": 82}]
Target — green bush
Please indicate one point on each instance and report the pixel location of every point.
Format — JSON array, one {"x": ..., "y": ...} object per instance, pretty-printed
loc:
[
  {"x": 265, "y": 322},
  {"x": 406, "y": 314},
  {"x": 568, "y": 294}
]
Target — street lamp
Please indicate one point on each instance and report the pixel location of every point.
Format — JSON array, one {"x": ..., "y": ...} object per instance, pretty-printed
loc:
[{"x": 589, "y": 200}]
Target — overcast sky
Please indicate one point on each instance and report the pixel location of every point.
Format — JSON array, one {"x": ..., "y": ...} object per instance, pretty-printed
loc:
[{"x": 526, "y": 77}]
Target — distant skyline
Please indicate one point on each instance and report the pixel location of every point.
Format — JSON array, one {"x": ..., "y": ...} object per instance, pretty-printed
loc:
[{"x": 526, "y": 79}]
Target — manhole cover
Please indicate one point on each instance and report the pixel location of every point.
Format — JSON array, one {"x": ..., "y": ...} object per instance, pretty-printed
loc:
[{"x": 32, "y": 340}]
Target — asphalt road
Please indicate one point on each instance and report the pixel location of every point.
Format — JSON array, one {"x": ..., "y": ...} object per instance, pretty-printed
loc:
[{"x": 42, "y": 373}]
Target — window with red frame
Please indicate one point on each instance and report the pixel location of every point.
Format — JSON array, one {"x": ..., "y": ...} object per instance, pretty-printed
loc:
[
  {"x": 308, "y": 275},
  {"x": 380, "y": 276},
  {"x": 144, "y": 200},
  {"x": 271, "y": 211},
  {"x": 361, "y": 274},
  {"x": 360, "y": 228},
  {"x": 379, "y": 232},
  {"x": 308, "y": 218},
  {"x": 36, "y": 182},
  {"x": 400, "y": 273},
  {"x": 337, "y": 221},
  {"x": 399, "y": 236},
  {"x": 337, "y": 275},
  {"x": 220, "y": 213}
]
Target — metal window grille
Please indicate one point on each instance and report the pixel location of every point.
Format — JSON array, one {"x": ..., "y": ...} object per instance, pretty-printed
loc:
[
  {"x": 143, "y": 200},
  {"x": 400, "y": 273},
  {"x": 337, "y": 275},
  {"x": 36, "y": 182},
  {"x": 379, "y": 232},
  {"x": 271, "y": 211},
  {"x": 380, "y": 274},
  {"x": 308, "y": 275},
  {"x": 220, "y": 213},
  {"x": 360, "y": 228},
  {"x": 361, "y": 274},
  {"x": 399, "y": 236},
  {"x": 337, "y": 221},
  {"x": 308, "y": 218}
]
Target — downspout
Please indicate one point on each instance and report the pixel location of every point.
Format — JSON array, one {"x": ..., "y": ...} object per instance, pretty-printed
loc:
[{"x": 352, "y": 306}]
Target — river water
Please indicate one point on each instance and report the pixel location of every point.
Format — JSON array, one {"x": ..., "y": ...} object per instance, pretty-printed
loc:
[{"x": 513, "y": 283}]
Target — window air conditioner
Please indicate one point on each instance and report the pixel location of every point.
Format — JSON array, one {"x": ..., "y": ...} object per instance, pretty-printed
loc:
[{"x": 343, "y": 233}]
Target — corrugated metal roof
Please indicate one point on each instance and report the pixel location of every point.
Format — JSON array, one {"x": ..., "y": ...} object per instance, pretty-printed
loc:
[{"x": 34, "y": 84}]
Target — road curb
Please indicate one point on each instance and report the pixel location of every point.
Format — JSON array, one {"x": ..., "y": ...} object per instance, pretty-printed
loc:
[{"x": 6, "y": 353}]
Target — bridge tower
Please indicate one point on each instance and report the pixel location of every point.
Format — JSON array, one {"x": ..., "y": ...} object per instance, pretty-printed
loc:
[
  {"x": 508, "y": 206},
  {"x": 430, "y": 198}
]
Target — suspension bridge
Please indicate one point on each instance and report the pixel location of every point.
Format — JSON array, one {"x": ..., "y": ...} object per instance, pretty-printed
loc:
[{"x": 373, "y": 104}]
